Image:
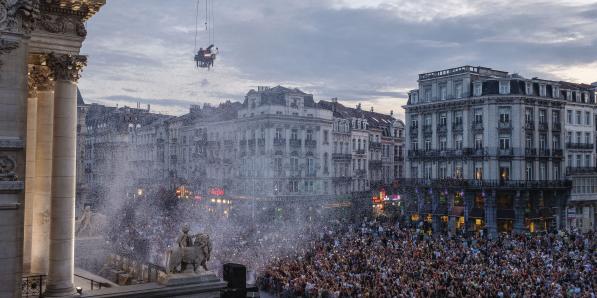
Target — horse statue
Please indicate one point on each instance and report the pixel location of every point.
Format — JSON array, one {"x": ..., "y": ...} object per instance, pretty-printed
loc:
[{"x": 194, "y": 250}]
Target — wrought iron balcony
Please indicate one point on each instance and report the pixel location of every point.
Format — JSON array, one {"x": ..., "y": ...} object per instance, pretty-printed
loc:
[
  {"x": 341, "y": 180},
  {"x": 242, "y": 143},
  {"x": 310, "y": 143},
  {"x": 261, "y": 142},
  {"x": 478, "y": 125},
  {"x": 252, "y": 142},
  {"x": 295, "y": 143},
  {"x": 504, "y": 125},
  {"x": 485, "y": 184},
  {"x": 529, "y": 125},
  {"x": 414, "y": 127},
  {"x": 374, "y": 146},
  {"x": 414, "y": 132},
  {"x": 375, "y": 164},
  {"x": 543, "y": 126},
  {"x": 228, "y": 143},
  {"x": 556, "y": 126},
  {"x": 558, "y": 153},
  {"x": 457, "y": 126},
  {"x": 442, "y": 128},
  {"x": 580, "y": 170},
  {"x": 505, "y": 152},
  {"x": 427, "y": 129},
  {"x": 529, "y": 152},
  {"x": 579, "y": 146},
  {"x": 360, "y": 173},
  {"x": 341, "y": 156},
  {"x": 359, "y": 151},
  {"x": 543, "y": 152},
  {"x": 279, "y": 142}
]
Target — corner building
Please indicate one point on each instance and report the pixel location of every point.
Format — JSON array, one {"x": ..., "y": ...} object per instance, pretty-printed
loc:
[{"x": 487, "y": 150}]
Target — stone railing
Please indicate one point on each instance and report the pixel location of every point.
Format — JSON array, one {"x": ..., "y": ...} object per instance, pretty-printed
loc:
[
  {"x": 295, "y": 143},
  {"x": 457, "y": 126},
  {"x": 579, "y": 146},
  {"x": 341, "y": 156},
  {"x": 279, "y": 142},
  {"x": 482, "y": 184},
  {"x": 543, "y": 126},
  {"x": 580, "y": 170},
  {"x": 310, "y": 143},
  {"x": 504, "y": 125},
  {"x": 556, "y": 126},
  {"x": 530, "y": 125},
  {"x": 359, "y": 151},
  {"x": 374, "y": 145},
  {"x": 375, "y": 164}
]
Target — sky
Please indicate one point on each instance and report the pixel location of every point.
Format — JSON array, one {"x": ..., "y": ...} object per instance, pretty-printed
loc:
[{"x": 360, "y": 51}]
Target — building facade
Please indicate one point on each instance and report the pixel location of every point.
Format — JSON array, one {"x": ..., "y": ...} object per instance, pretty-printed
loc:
[{"x": 490, "y": 150}]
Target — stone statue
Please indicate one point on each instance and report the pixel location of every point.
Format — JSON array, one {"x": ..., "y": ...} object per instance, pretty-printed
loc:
[
  {"x": 89, "y": 224},
  {"x": 194, "y": 250}
]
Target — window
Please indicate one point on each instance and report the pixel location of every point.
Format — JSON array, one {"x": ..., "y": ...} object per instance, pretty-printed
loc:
[
  {"x": 443, "y": 144},
  {"x": 427, "y": 94},
  {"x": 325, "y": 162},
  {"x": 588, "y": 118},
  {"x": 504, "y": 142},
  {"x": 570, "y": 160},
  {"x": 504, "y": 87},
  {"x": 415, "y": 123},
  {"x": 569, "y": 137},
  {"x": 542, "y": 171},
  {"x": 428, "y": 171},
  {"x": 458, "y": 170},
  {"x": 555, "y": 116},
  {"x": 443, "y": 91},
  {"x": 325, "y": 136},
  {"x": 427, "y": 119},
  {"x": 294, "y": 166},
  {"x": 309, "y": 135},
  {"x": 556, "y": 172},
  {"x": 587, "y": 160},
  {"x": 310, "y": 167},
  {"x": 504, "y": 173},
  {"x": 278, "y": 165},
  {"x": 443, "y": 119},
  {"x": 478, "y": 115},
  {"x": 578, "y": 137},
  {"x": 354, "y": 144},
  {"x": 478, "y": 89},
  {"x": 479, "y": 141},
  {"x": 542, "y": 116},
  {"x": 458, "y": 89},
  {"x": 588, "y": 138},
  {"x": 427, "y": 145},
  {"x": 505, "y": 114},
  {"x": 529, "y": 141},
  {"x": 458, "y": 117},
  {"x": 479, "y": 171},
  {"x": 542, "y": 90},
  {"x": 578, "y": 113},
  {"x": 578, "y": 160},
  {"x": 569, "y": 116},
  {"x": 542, "y": 141},
  {"x": 294, "y": 134},
  {"x": 443, "y": 171},
  {"x": 415, "y": 145},
  {"x": 458, "y": 142},
  {"x": 555, "y": 142},
  {"x": 529, "y": 171},
  {"x": 528, "y": 115}
]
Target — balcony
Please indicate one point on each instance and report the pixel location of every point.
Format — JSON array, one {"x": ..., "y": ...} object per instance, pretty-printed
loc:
[
  {"x": 242, "y": 143},
  {"x": 543, "y": 126},
  {"x": 558, "y": 153},
  {"x": 457, "y": 126},
  {"x": 374, "y": 146},
  {"x": 279, "y": 142},
  {"x": 414, "y": 132},
  {"x": 375, "y": 164},
  {"x": 252, "y": 143},
  {"x": 360, "y": 173},
  {"x": 529, "y": 125},
  {"x": 579, "y": 146},
  {"x": 398, "y": 158},
  {"x": 543, "y": 152},
  {"x": 530, "y": 152},
  {"x": 505, "y": 152},
  {"x": 228, "y": 143},
  {"x": 359, "y": 152},
  {"x": 261, "y": 142},
  {"x": 341, "y": 156},
  {"x": 504, "y": 125},
  {"x": 427, "y": 130},
  {"x": 295, "y": 143},
  {"x": 310, "y": 143},
  {"x": 485, "y": 184},
  {"x": 213, "y": 143},
  {"x": 478, "y": 125},
  {"x": 556, "y": 126},
  {"x": 341, "y": 180},
  {"x": 580, "y": 170},
  {"x": 442, "y": 128}
]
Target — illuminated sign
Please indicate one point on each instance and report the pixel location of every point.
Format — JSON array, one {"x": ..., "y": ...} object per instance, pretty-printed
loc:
[{"x": 216, "y": 191}]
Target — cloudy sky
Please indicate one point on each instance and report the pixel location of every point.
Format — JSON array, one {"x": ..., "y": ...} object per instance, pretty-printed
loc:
[{"x": 367, "y": 51}]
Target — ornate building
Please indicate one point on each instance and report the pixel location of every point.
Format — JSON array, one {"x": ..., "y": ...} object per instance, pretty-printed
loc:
[
  {"x": 487, "y": 149},
  {"x": 40, "y": 65}
]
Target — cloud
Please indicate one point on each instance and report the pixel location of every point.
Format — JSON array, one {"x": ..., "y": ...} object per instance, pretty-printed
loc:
[{"x": 368, "y": 51}]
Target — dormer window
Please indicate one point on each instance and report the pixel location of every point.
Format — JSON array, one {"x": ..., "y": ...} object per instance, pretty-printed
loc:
[
  {"x": 504, "y": 87},
  {"x": 529, "y": 88},
  {"x": 542, "y": 91},
  {"x": 458, "y": 89}
]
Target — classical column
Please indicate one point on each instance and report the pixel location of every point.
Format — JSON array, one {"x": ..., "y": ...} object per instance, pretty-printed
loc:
[
  {"x": 490, "y": 214},
  {"x": 435, "y": 209},
  {"x": 29, "y": 168},
  {"x": 451, "y": 217},
  {"x": 519, "y": 209},
  {"x": 62, "y": 220},
  {"x": 16, "y": 21},
  {"x": 43, "y": 171}
]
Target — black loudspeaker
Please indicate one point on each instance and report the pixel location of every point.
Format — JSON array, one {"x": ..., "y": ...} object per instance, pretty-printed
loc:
[{"x": 235, "y": 275}]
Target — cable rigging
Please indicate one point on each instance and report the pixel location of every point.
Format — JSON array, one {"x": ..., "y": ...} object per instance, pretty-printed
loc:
[{"x": 204, "y": 58}]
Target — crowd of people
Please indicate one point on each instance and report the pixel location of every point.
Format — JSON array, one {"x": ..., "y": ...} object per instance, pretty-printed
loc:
[{"x": 378, "y": 259}]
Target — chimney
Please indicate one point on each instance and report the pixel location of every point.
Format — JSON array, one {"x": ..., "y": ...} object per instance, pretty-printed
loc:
[
  {"x": 372, "y": 109},
  {"x": 335, "y": 100},
  {"x": 359, "y": 106},
  {"x": 391, "y": 112}
]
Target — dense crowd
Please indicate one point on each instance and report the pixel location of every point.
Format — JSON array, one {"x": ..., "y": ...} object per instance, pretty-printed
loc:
[{"x": 382, "y": 260}]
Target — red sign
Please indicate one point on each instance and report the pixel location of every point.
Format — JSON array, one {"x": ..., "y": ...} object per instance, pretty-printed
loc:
[{"x": 216, "y": 191}]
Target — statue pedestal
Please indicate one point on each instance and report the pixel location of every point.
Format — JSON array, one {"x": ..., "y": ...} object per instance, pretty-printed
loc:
[{"x": 184, "y": 278}]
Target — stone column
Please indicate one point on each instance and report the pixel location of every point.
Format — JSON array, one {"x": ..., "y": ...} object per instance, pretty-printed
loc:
[
  {"x": 451, "y": 217},
  {"x": 490, "y": 214},
  {"x": 519, "y": 209},
  {"x": 40, "y": 232},
  {"x": 62, "y": 239},
  {"x": 435, "y": 209},
  {"x": 16, "y": 20},
  {"x": 29, "y": 170}
]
